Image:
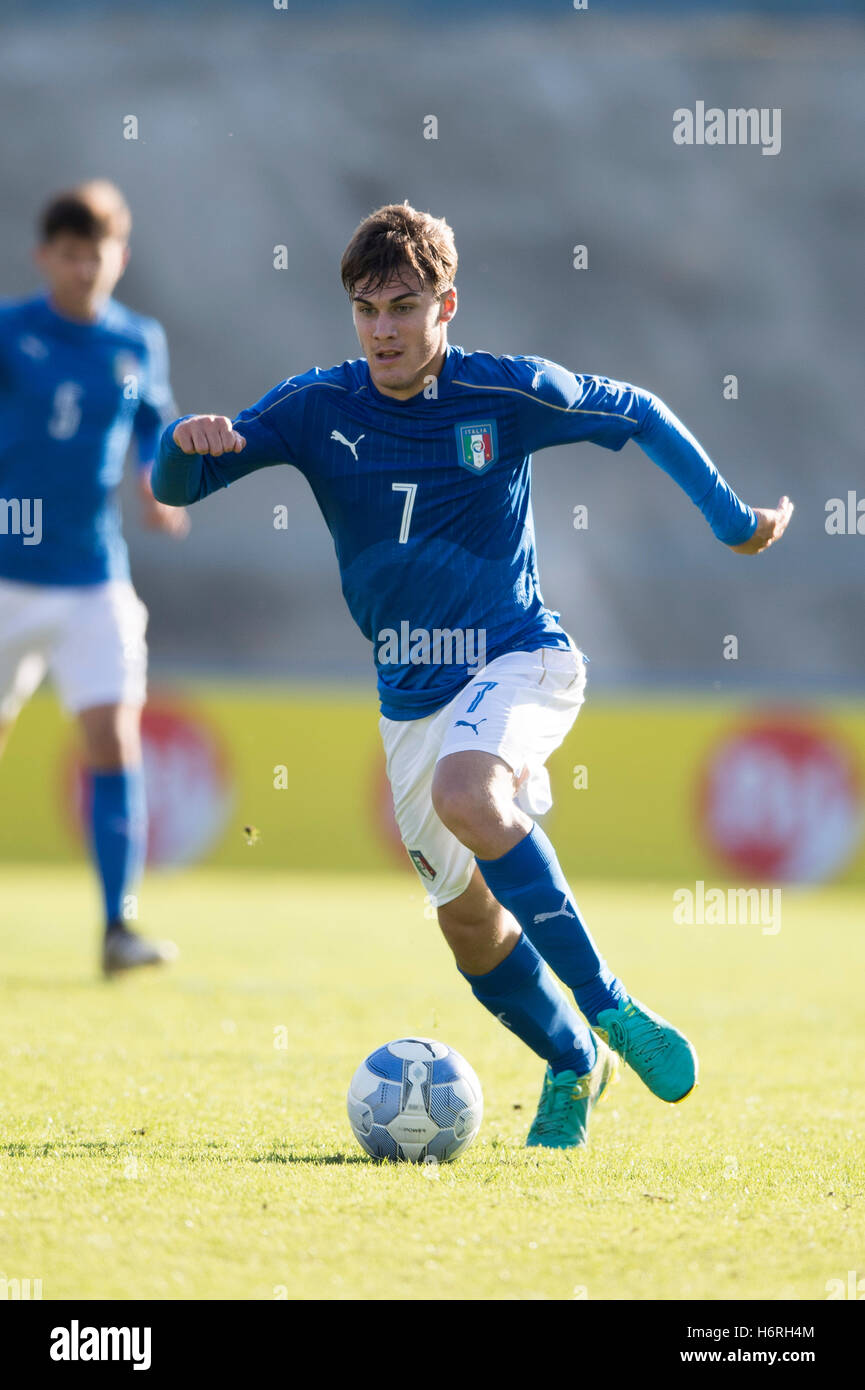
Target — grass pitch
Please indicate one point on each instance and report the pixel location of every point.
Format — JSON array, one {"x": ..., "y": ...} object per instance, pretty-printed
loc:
[{"x": 183, "y": 1134}]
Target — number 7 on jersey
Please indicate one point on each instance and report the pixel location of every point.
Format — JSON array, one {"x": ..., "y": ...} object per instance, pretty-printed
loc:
[{"x": 409, "y": 489}]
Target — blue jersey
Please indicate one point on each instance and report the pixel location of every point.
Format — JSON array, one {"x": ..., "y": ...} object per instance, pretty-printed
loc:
[
  {"x": 428, "y": 500},
  {"x": 71, "y": 395}
]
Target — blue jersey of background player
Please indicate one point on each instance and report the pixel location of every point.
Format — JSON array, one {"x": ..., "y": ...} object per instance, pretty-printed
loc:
[
  {"x": 419, "y": 457},
  {"x": 79, "y": 375}
]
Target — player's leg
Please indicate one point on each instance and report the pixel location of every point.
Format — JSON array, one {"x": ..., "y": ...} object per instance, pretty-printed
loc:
[
  {"x": 491, "y": 951},
  {"x": 510, "y": 979},
  {"x": 100, "y": 671},
  {"x": 527, "y": 714},
  {"x": 27, "y": 618},
  {"x": 479, "y": 931},
  {"x": 472, "y": 792},
  {"x": 503, "y": 969},
  {"x": 15, "y": 699},
  {"x": 111, "y": 738}
]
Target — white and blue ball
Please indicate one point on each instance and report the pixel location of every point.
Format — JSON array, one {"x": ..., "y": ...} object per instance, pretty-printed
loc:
[{"x": 415, "y": 1099}]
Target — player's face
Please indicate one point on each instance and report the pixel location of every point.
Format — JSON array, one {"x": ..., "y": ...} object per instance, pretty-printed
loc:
[
  {"x": 81, "y": 272},
  {"x": 402, "y": 330}
]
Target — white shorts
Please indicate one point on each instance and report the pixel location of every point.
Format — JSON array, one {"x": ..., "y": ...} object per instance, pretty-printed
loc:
[
  {"x": 90, "y": 637},
  {"x": 519, "y": 707}
]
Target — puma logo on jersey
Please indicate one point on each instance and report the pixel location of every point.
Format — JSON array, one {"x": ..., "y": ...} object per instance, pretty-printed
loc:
[
  {"x": 341, "y": 439},
  {"x": 467, "y": 723},
  {"x": 562, "y": 912}
]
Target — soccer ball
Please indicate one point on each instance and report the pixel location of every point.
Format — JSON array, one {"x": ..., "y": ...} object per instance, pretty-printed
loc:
[{"x": 415, "y": 1099}]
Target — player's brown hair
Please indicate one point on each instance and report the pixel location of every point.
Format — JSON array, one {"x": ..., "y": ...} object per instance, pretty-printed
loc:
[
  {"x": 95, "y": 209},
  {"x": 397, "y": 237}
]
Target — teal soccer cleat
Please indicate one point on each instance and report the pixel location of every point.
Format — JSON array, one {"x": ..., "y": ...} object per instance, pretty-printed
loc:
[
  {"x": 566, "y": 1102},
  {"x": 661, "y": 1056}
]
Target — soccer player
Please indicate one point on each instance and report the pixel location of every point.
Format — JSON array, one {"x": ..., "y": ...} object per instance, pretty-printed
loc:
[
  {"x": 79, "y": 374},
  {"x": 419, "y": 457}
]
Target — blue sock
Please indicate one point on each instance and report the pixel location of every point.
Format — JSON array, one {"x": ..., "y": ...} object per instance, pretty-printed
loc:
[
  {"x": 523, "y": 995},
  {"x": 118, "y": 827},
  {"x": 529, "y": 882}
]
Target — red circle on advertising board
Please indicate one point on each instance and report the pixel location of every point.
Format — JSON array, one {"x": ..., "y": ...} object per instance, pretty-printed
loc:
[
  {"x": 781, "y": 799},
  {"x": 187, "y": 784}
]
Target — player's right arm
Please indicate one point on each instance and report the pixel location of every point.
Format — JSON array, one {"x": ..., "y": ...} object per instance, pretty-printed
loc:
[
  {"x": 200, "y": 454},
  {"x": 208, "y": 434}
]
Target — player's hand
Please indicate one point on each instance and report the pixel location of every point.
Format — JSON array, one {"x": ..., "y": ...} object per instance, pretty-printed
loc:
[
  {"x": 156, "y": 516},
  {"x": 172, "y": 521},
  {"x": 208, "y": 434},
  {"x": 772, "y": 522}
]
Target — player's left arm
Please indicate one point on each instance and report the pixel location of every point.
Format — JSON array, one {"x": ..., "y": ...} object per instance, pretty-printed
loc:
[
  {"x": 746, "y": 530},
  {"x": 568, "y": 408},
  {"x": 156, "y": 408}
]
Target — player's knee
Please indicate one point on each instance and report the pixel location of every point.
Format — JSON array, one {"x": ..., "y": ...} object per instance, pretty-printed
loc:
[{"x": 460, "y": 806}]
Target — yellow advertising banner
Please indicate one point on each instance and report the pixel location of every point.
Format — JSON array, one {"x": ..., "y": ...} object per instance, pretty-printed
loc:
[{"x": 644, "y": 787}]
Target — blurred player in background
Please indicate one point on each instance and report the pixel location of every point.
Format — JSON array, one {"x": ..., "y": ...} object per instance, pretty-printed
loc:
[
  {"x": 79, "y": 374},
  {"x": 419, "y": 456}
]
